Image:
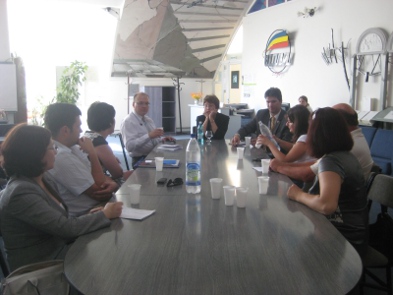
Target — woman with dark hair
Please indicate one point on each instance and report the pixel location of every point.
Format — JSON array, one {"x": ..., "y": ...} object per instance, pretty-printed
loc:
[
  {"x": 297, "y": 122},
  {"x": 101, "y": 122},
  {"x": 303, "y": 100},
  {"x": 34, "y": 221},
  {"x": 211, "y": 119},
  {"x": 338, "y": 190}
]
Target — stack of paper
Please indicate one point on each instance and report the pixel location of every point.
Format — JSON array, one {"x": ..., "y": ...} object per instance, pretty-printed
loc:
[
  {"x": 136, "y": 214},
  {"x": 169, "y": 147}
]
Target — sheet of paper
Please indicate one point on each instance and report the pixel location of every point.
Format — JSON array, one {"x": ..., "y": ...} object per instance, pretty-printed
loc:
[
  {"x": 136, "y": 214},
  {"x": 259, "y": 169}
]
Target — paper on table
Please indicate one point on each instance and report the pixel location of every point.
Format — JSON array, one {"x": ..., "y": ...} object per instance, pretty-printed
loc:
[
  {"x": 169, "y": 147},
  {"x": 259, "y": 169},
  {"x": 137, "y": 214}
]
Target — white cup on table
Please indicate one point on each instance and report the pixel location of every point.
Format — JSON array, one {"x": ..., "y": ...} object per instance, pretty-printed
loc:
[
  {"x": 263, "y": 183},
  {"x": 241, "y": 196},
  {"x": 248, "y": 141},
  {"x": 159, "y": 163},
  {"x": 215, "y": 185},
  {"x": 240, "y": 153},
  {"x": 265, "y": 163},
  {"x": 135, "y": 193},
  {"x": 229, "y": 195}
]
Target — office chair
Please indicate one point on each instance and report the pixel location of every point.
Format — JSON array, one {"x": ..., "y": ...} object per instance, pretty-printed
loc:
[{"x": 380, "y": 188}]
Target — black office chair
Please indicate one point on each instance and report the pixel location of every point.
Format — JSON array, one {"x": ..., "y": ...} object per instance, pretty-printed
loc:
[
  {"x": 380, "y": 188},
  {"x": 118, "y": 134}
]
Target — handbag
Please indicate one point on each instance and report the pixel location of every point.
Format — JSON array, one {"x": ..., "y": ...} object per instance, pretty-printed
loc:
[
  {"x": 42, "y": 278},
  {"x": 381, "y": 235}
]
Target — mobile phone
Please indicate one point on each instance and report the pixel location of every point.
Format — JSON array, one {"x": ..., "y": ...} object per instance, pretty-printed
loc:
[{"x": 161, "y": 181}]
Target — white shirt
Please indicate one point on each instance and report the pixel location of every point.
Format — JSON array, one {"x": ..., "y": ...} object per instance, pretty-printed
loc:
[
  {"x": 135, "y": 134},
  {"x": 72, "y": 173},
  {"x": 306, "y": 157}
]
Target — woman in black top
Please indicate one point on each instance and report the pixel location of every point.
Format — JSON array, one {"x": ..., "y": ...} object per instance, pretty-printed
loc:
[{"x": 211, "y": 119}]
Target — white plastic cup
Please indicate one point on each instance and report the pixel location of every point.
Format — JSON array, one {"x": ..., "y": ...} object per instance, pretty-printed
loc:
[
  {"x": 263, "y": 183},
  {"x": 248, "y": 140},
  {"x": 215, "y": 185},
  {"x": 265, "y": 163},
  {"x": 135, "y": 193},
  {"x": 229, "y": 195},
  {"x": 159, "y": 163},
  {"x": 240, "y": 153},
  {"x": 241, "y": 197}
]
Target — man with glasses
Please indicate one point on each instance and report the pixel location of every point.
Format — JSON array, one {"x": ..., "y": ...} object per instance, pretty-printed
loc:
[{"x": 139, "y": 132}]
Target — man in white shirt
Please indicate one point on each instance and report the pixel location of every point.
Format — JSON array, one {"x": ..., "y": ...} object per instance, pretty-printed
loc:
[
  {"x": 139, "y": 132},
  {"x": 77, "y": 171}
]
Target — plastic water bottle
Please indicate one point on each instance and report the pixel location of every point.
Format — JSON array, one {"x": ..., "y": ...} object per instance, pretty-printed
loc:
[
  {"x": 200, "y": 133},
  {"x": 193, "y": 166}
]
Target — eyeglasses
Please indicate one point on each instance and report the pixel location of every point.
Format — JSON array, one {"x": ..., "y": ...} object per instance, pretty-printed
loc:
[
  {"x": 141, "y": 103},
  {"x": 175, "y": 182}
]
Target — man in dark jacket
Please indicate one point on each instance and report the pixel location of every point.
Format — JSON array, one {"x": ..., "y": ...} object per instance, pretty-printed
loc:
[{"x": 274, "y": 117}]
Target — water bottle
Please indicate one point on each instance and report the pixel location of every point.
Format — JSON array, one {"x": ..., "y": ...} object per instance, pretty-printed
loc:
[
  {"x": 200, "y": 133},
  {"x": 193, "y": 166}
]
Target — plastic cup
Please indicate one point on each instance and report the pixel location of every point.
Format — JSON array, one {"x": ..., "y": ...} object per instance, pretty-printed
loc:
[
  {"x": 229, "y": 195},
  {"x": 215, "y": 185},
  {"x": 159, "y": 163},
  {"x": 135, "y": 193},
  {"x": 263, "y": 183},
  {"x": 265, "y": 165},
  {"x": 241, "y": 197},
  {"x": 240, "y": 153},
  {"x": 248, "y": 140}
]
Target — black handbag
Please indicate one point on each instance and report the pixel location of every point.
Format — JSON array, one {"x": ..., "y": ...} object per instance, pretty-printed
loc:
[{"x": 381, "y": 235}]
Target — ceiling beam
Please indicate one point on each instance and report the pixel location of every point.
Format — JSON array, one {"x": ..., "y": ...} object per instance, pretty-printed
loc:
[
  {"x": 208, "y": 48},
  {"x": 207, "y": 29},
  {"x": 208, "y": 38}
]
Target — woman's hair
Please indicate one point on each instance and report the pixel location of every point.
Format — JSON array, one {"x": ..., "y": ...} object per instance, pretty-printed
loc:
[
  {"x": 100, "y": 116},
  {"x": 23, "y": 149},
  {"x": 212, "y": 99},
  {"x": 299, "y": 115},
  {"x": 304, "y": 98},
  {"x": 328, "y": 133}
]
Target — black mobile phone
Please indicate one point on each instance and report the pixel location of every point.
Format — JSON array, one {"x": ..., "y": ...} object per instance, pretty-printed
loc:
[{"x": 161, "y": 181}]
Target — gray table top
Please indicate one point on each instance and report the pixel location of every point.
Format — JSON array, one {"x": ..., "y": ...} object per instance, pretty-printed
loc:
[{"x": 196, "y": 245}]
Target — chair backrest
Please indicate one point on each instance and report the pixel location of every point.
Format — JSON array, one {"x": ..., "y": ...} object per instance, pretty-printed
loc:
[
  {"x": 3, "y": 260},
  {"x": 381, "y": 190}
]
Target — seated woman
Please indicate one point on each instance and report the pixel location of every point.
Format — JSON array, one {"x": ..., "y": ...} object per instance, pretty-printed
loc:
[
  {"x": 33, "y": 218},
  {"x": 339, "y": 190},
  {"x": 211, "y": 119},
  {"x": 101, "y": 121},
  {"x": 303, "y": 100},
  {"x": 297, "y": 123}
]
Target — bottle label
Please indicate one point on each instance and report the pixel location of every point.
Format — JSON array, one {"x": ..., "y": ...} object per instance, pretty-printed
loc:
[{"x": 193, "y": 174}]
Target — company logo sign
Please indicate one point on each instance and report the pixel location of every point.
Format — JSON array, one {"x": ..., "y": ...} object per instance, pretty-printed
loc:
[{"x": 277, "y": 53}]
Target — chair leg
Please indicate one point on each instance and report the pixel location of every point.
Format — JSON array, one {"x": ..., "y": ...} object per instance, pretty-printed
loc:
[{"x": 124, "y": 151}]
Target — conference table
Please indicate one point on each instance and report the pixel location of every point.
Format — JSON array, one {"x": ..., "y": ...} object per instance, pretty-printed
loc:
[{"x": 194, "y": 244}]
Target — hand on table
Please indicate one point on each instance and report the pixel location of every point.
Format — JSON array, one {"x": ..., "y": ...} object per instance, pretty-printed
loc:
[
  {"x": 107, "y": 189},
  {"x": 113, "y": 210},
  {"x": 235, "y": 140},
  {"x": 294, "y": 191},
  {"x": 274, "y": 163}
]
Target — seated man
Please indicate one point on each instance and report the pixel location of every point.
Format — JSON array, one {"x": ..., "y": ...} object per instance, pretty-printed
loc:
[
  {"x": 306, "y": 171},
  {"x": 139, "y": 132},
  {"x": 77, "y": 170},
  {"x": 211, "y": 120},
  {"x": 274, "y": 117}
]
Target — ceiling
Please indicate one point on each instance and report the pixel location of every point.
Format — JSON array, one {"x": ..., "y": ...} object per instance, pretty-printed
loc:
[{"x": 174, "y": 38}]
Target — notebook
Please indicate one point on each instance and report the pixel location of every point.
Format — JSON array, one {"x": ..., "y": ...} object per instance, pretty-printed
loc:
[{"x": 168, "y": 163}]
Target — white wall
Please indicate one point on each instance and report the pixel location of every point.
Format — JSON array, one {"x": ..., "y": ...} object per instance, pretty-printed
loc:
[{"x": 309, "y": 75}]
